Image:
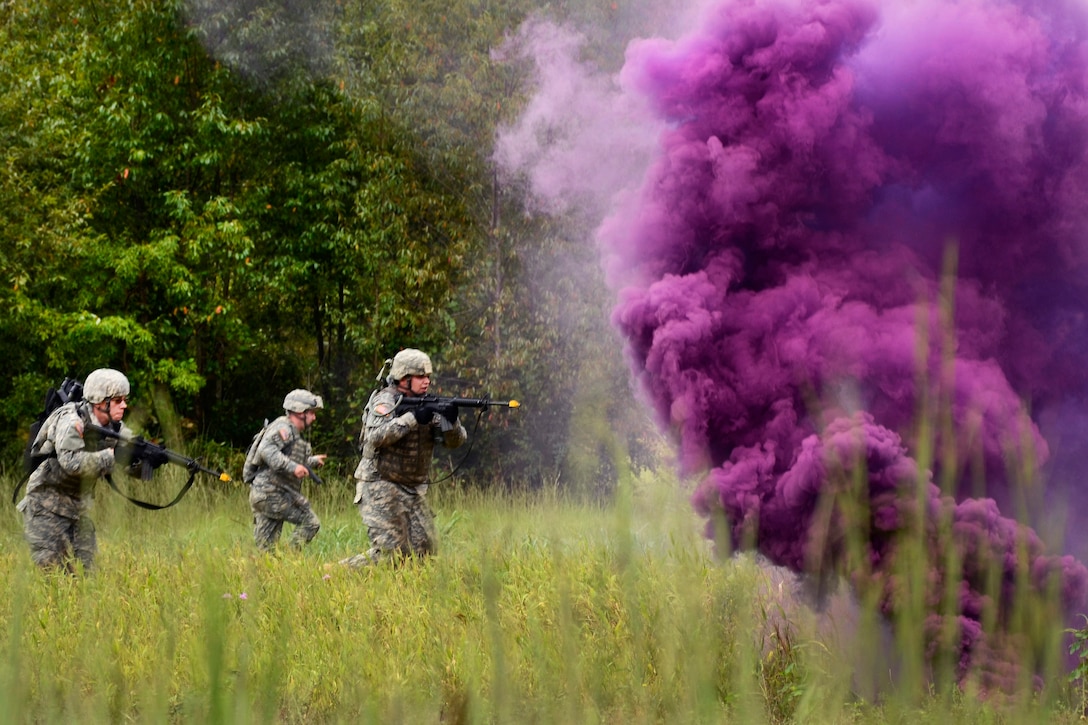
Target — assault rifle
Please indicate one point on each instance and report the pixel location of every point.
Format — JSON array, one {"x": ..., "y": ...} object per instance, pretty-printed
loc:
[
  {"x": 137, "y": 449},
  {"x": 313, "y": 474},
  {"x": 435, "y": 401},
  {"x": 146, "y": 456}
]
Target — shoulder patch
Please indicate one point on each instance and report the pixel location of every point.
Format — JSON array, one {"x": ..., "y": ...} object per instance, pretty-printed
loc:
[
  {"x": 284, "y": 434},
  {"x": 382, "y": 409}
]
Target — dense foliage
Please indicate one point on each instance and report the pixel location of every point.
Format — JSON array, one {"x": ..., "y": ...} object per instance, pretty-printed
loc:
[{"x": 227, "y": 201}]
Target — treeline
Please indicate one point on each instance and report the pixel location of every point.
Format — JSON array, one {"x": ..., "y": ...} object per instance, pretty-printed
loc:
[{"x": 230, "y": 200}]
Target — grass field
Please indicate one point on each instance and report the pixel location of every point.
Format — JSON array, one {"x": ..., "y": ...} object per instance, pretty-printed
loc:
[{"x": 537, "y": 610}]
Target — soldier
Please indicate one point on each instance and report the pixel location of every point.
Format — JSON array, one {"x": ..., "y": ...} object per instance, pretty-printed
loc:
[
  {"x": 57, "y": 524},
  {"x": 393, "y": 475},
  {"x": 283, "y": 458}
]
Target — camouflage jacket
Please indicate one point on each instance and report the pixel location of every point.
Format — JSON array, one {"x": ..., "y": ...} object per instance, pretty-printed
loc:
[
  {"x": 395, "y": 447},
  {"x": 280, "y": 451},
  {"x": 67, "y": 477}
]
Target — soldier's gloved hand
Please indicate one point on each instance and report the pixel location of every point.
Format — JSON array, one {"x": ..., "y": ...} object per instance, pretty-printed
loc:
[
  {"x": 424, "y": 414},
  {"x": 155, "y": 456},
  {"x": 448, "y": 411},
  {"x": 130, "y": 452}
]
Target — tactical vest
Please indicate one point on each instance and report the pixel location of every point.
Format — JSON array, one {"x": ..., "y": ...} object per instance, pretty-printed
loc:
[{"x": 408, "y": 461}]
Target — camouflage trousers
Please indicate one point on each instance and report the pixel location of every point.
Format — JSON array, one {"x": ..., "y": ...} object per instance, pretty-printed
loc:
[
  {"x": 398, "y": 521},
  {"x": 56, "y": 540},
  {"x": 272, "y": 507}
]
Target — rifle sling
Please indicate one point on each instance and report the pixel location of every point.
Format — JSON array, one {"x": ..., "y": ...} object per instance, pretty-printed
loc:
[
  {"x": 18, "y": 487},
  {"x": 465, "y": 455},
  {"x": 154, "y": 506},
  {"x": 142, "y": 504}
]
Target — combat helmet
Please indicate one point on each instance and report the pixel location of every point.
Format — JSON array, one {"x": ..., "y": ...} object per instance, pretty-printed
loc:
[
  {"x": 103, "y": 384},
  {"x": 299, "y": 401},
  {"x": 409, "y": 361}
]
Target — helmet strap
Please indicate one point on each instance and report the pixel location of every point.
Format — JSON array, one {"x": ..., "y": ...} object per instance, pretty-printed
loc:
[{"x": 103, "y": 407}]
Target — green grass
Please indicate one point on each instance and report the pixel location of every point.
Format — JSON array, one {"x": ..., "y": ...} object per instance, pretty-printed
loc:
[{"x": 537, "y": 609}]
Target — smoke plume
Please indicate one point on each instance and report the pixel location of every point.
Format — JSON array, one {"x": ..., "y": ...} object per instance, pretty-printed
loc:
[
  {"x": 267, "y": 41},
  {"x": 856, "y": 260}
]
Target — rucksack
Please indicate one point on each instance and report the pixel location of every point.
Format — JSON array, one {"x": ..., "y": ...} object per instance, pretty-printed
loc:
[
  {"x": 70, "y": 391},
  {"x": 253, "y": 459},
  {"x": 366, "y": 414}
]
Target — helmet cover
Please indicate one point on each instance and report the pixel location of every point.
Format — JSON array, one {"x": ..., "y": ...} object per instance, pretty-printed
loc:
[
  {"x": 103, "y": 384},
  {"x": 409, "y": 361},
  {"x": 299, "y": 401}
]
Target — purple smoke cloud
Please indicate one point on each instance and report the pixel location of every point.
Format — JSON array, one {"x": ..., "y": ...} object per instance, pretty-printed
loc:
[{"x": 781, "y": 271}]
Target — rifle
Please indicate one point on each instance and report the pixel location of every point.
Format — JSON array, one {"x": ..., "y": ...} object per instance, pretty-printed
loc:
[
  {"x": 154, "y": 452},
  {"x": 435, "y": 400},
  {"x": 313, "y": 475}
]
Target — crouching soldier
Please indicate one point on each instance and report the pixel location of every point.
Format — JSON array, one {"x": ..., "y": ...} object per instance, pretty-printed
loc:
[{"x": 56, "y": 509}]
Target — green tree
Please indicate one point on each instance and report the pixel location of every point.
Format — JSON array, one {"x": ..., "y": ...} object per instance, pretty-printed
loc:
[
  {"x": 218, "y": 239},
  {"x": 229, "y": 200},
  {"x": 530, "y": 316}
]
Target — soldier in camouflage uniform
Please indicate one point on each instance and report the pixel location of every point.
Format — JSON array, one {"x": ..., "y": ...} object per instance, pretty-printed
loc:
[
  {"x": 56, "y": 519},
  {"x": 392, "y": 477},
  {"x": 284, "y": 459}
]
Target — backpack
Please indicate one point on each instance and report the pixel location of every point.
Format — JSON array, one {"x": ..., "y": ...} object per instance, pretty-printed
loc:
[
  {"x": 366, "y": 414},
  {"x": 71, "y": 390},
  {"x": 253, "y": 457}
]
